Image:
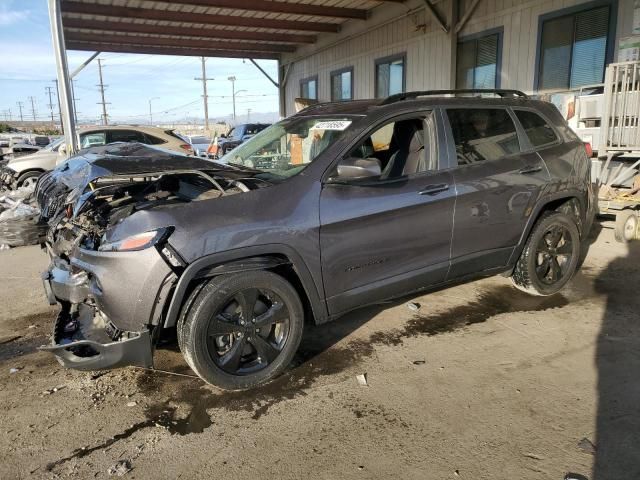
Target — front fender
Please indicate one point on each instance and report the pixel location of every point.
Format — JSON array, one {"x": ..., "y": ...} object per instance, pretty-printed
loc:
[{"x": 242, "y": 259}]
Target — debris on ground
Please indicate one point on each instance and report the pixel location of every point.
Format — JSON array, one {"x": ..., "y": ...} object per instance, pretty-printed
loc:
[
  {"x": 413, "y": 306},
  {"x": 362, "y": 379},
  {"x": 587, "y": 446},
  {"x": 19, "y": 216},
  {"x": 120, "y": 469},
  {"x": 53, "y": 390},
  {"x": 419, "y": 362},
  {"x": 132, "y": 404},
  {"x": 14, "y": 370}
]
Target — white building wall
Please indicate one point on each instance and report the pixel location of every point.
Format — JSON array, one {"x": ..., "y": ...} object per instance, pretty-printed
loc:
[{"x": 409, "y": 28}]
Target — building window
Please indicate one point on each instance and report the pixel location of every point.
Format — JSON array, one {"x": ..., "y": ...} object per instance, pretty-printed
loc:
[
  {"x": 342, "y": 84},
  {"x": 574, "y": 48},
  {"x": 309, "y": 88},
  {"x": 478, "y": 61},
  {"x": 390, "y": 75}
]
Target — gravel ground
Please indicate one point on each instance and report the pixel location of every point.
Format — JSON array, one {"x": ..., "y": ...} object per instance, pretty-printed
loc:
[{"x": 481, "y": 382}]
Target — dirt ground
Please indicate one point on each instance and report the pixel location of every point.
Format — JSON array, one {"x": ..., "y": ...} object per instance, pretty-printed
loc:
[{"x": 482, "y": 382}]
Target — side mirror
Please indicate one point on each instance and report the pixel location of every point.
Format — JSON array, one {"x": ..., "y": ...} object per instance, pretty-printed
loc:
[
  {"x": 358, "y": 168},
  {"x": 222, "y": 135}
]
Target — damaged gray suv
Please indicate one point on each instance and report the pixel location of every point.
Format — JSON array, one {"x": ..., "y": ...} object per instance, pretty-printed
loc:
[{"x": 340, "y": 206}]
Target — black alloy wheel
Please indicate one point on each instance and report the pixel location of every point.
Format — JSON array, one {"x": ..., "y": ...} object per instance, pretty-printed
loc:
[
  {"x": 241, "y": 330},
  {"x": 248, "y": 332}
]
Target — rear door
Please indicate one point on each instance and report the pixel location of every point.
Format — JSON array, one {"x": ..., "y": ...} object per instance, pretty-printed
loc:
[
  {"x": 497, "y": 185},
  {"x": 392, "y": 234}
]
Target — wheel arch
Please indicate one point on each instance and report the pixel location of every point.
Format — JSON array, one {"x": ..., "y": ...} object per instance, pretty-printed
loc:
[
  {"x": 280, "y": 259},
  {"x": 29, "y": 170},
  {"x": 565, "y": 202}
]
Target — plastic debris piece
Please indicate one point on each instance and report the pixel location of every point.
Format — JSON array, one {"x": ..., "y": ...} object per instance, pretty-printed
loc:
[
  {"x": 132, "y": 404},
  {"x": 362, "y": 379},
  {"x": 14, "y": 370},
  {"x": 587, "y": 446},
  {"x": 120, "y": 469},
  {"x": 413, "y": 306},
  {"x": 19, "y": 216},
  {"x": 419, "y": 362}
]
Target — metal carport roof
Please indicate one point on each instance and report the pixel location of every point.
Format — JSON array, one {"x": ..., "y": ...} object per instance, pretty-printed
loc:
[{"x": 254, "y": 29}]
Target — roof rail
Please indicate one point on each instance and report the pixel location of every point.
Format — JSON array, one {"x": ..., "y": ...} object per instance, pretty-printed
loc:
[{"x": 425, "y": 93}]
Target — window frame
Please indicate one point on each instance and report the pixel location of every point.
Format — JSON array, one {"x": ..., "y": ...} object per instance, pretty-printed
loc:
[
  {"x": 570, "y": 11},
  {"x": 523, "y": 142},
  {"x": 474, "y": 37},
  {"x": 390, "y": 59},
  {"x": 335, "y": 73},
  {"x": 525, "y": 138},
  {"x": 306, "y": 80}
]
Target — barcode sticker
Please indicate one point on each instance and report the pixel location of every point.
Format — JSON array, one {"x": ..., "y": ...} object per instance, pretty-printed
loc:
[{"x": 334, "y": 125}]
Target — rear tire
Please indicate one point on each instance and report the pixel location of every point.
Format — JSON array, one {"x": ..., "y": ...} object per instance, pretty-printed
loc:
[
  {"x": 550, "y": 257},
  {"x": 28, "y": 179},
  {"x": 626, "y": 228},
  {"x": 241, "y": 330}
]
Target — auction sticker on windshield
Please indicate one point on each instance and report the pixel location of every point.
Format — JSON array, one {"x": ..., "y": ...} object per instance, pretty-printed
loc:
[{"x": 333, "y": 125}]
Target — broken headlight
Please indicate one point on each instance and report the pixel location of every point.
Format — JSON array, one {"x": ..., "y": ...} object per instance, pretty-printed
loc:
[{"x": 136, "y": 242}]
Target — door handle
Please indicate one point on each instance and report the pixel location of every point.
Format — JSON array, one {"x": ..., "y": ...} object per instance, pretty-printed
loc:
[
  {"x": 433, "y": 189},
  {"x": 530, "y": 169}
]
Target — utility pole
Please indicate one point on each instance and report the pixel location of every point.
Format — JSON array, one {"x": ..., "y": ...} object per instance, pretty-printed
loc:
[
  {"x": 20, "y": 105},
  {"x": 248, "y": 115},
  {"x": 33, "y": 107},
  {"x": 50, "y": 104},
  {"x": 59, "y": 106},
  {"x": 233, "y": 95},
  {"x": 105, "y": 118},
  {"x": 150, "y": 113},
  {"x": 204, "y": 80}
]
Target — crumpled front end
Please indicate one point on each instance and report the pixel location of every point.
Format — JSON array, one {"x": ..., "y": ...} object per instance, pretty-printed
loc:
[
  {"x": 112, "y": 267},
  {"x": 8, "y": 177}
]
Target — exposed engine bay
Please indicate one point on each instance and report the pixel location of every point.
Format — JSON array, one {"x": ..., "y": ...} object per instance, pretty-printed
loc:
[{"x": 80, "y": 203}]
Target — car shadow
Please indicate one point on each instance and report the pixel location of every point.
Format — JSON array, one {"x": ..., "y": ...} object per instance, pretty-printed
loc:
[{"x": 617, "y": 452}]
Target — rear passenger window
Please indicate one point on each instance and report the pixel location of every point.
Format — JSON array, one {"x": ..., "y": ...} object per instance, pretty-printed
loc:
[
  {"x": 126, "y": 136},
  {"x": 482, "y": 134},
  {"x": 537, "y": 129},
  {"x": 151, "y": 140}
]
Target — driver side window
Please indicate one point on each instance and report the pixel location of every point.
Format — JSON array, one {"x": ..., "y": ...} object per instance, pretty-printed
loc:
[{"x": 401, "y": 148}]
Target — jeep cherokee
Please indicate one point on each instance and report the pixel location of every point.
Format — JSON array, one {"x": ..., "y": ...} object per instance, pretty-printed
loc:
[{"x": 339, "y": 206}]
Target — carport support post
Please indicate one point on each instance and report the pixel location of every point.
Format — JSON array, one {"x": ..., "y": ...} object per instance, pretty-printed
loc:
[
  {"x": 64, "y": 83},
  {"x": 453, "y": 41}
]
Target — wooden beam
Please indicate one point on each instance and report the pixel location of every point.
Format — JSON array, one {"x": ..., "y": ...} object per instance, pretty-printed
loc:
[
  {"x": 69, "y": 6},
  {"x": 279, "y": 7},
  {"x": 128, "y": 27},
  {"x": 187, "y": 52},
  {"x": 164, "y": 41}
]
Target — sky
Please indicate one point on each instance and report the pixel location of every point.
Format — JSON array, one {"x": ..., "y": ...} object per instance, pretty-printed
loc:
[{"x": 27, "y": 67}]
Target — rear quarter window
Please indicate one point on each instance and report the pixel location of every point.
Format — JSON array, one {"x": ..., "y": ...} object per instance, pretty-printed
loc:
[
  {"x": 482, "y": 134},
  {"x": 537, "y": 129}
]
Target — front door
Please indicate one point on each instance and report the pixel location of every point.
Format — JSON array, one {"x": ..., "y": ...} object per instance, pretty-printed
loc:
[
  {"x": 497, "y": 187},
  {"x": 390, "y": 234}
]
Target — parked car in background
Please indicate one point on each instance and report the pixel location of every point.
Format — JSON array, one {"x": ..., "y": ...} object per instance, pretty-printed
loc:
[
  {"x": 41, "y": 141},
  {"x": 340, "y": 206},
  {"x": 235, "y": 137},
  {"x": 200, "y": 144},
  {"x": 26, "y": 170}
]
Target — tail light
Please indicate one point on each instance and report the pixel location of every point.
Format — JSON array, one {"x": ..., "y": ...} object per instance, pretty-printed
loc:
[
  {"x": 186, "y": 146},
  {"x": 588, "y": 149}
]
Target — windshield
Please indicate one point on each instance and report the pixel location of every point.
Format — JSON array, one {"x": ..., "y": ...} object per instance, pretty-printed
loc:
[
  {"x": 200, "y": 140},
  {"x": 286, "y": 148}
]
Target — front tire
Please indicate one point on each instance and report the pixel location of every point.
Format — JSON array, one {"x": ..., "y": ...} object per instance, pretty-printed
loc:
[
  {"x": 550, "y": 256},
  {"x": 241, "y": 330}
]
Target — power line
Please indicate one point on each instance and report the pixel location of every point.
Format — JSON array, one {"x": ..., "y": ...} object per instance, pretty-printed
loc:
[{"x": 105, "y": 118}]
